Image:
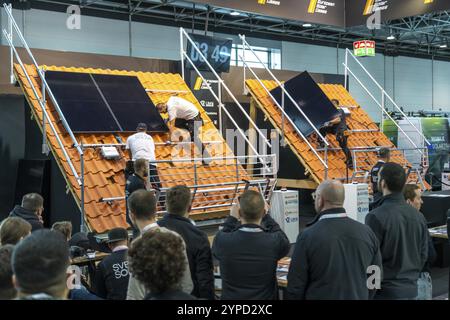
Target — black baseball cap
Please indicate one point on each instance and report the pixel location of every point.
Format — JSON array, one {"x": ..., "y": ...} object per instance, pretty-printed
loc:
[
  {"x": 142, "y": 126},
  {"x": 117, "y": 234}
]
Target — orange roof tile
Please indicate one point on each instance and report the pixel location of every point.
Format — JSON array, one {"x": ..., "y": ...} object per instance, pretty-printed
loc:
[
  {"x": 359, "y": 120},
  {"x": 105, "y": 178}
]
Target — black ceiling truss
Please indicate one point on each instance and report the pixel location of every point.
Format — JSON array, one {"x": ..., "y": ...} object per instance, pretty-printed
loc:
[{"x": 420, "y": 36}]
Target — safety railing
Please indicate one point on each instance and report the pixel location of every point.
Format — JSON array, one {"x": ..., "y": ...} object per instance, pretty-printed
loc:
[
  {"x": 384, "y": 96},
  {"x": 42, "y": 100},
  {"x": 285, "y": 93},
  {"x": 221, "y": 84},
  {"x": 46, "y": 89},
  {"x": 217, "y": 187},
  {"x": 419, "y": 170}
]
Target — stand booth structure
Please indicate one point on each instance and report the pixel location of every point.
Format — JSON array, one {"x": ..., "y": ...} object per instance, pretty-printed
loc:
[{"x": 93, "y": 162}]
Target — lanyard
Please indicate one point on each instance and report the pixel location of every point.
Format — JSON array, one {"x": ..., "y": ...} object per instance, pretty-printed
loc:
[{"x": 333, "y": 215}]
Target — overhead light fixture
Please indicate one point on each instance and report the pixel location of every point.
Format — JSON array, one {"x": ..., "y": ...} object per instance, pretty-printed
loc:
[
  {"x": 307, "y": 25},
  {"x": 235, "y": 13},
  {"x": 391, "y": 37},
  {"x": 443, "y": 46}
]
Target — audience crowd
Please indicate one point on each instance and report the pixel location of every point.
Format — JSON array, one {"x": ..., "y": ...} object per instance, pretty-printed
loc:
[{"x": 335, "y": 257}]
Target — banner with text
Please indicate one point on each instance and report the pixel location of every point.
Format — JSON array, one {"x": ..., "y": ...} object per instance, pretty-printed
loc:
[
  {"x": 327, "y": 12},
  {"x": 358, "y": 12}
]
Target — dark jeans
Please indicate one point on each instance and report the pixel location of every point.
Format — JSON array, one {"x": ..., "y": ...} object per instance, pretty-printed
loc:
[{"x": 342, "y": 140}]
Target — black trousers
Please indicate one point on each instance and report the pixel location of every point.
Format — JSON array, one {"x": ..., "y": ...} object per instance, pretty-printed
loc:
[
  {"x": 342, "y": 140},
  {"x": 189, "y": 125}
]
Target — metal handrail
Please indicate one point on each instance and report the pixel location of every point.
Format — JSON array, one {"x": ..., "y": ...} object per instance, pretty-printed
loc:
[
  {"x": 157, "y": 144},
  {"x": 44, "y": 111},
  {"x": 384, "y": 93},
  {"x": 285, "y": 114},
  {"x": 221, "y": 83},
  {"x": 245, "y": 43},
  {"x": 383, "y": 110},
  {"x": 214, "y": 158},
  {"x": 50, "y": 93}
]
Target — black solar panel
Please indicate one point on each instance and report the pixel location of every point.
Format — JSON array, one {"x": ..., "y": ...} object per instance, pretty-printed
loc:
[
  {"x": 103, "y": 103},
  {"x": 310, "y": 98},
  {"x": 129, "y": 102},
  {"x": 80, "y": 102}
]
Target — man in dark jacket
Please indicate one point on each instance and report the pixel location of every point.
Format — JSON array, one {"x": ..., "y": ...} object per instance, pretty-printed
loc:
[
  {"x": 30, "y": 210},
  {"x": 402, "y": 233},
  {"x": 332, "y": 257},
  {"x": 178, "y": 202},
  {"x": 111, "y": 277},
  {"x": 248, "y": 253},
  {"x": 136, "y": 181},
  {"x": 413, "y": 196}
]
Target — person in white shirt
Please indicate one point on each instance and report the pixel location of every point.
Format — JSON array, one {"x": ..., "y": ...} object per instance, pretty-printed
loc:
[
  {"x": 182, "y": 112},
  {"x": 141, "y": 146}
]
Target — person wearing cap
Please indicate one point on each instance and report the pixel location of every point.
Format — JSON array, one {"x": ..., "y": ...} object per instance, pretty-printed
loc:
[
  {"x": 111, "y": 277},
  {"x": 141, "y": 146},
  {"x": 384, "y": 155}
]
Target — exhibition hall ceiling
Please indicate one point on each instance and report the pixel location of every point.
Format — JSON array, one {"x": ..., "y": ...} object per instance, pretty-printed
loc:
[{"x": 403, "y": 27}]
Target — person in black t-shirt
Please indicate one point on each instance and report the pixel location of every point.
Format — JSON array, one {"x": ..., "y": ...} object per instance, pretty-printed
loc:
[
  {"x": 111, "y": 277},
  {"x": 136, "y": 181},
  {"x": 384, "y": 155},
  {"x": 338, "y": 127}
]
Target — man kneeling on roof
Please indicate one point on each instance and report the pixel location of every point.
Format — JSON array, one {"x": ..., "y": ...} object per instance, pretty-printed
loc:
[
  {"x": 184, "y": 115},
  {"x": 182, "y": 112},
  {"x": 338, "y": 126}
]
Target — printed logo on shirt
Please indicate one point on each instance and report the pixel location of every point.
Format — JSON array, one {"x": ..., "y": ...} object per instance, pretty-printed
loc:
[{"x": 120, "y": 270}]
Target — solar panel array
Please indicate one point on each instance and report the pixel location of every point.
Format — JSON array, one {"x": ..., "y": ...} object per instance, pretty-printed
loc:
[{"x": 103, "y": 103}]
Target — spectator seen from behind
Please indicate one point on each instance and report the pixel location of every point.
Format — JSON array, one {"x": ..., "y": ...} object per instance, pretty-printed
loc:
[
  {"x": 39, "y": 264},
  {"x": 413, "y": 196},
  {"x": 384, "y": 155},
  {"x": 30, "y": 210},
  {"x": 13, "y": 229},
  {"x": 178, "y": 203},
  {"x": 332, "y": 256},
  {"x": 158, "y": 260},
  {"x": 403, "y": 235},
  {"x": 111, "y": 277},
  {"x": 65, "y": 227},
  {"x": 136, "y": 181},
  {"x": 248, "y": 251},
  {"x": 7, "y": 290},
  {"x": 142, "y": 208}
]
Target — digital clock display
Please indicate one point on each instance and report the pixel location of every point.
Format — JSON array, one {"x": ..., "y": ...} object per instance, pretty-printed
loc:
[{"x": 216, "y": 51}]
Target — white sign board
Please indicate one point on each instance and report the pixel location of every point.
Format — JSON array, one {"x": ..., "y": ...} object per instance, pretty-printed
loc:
[
  {"x": 356, "y": 202},
  {"x": 284, "y": 210}
]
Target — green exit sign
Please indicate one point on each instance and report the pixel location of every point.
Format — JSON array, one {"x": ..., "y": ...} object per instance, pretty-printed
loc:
[{"x": 364, "y": 48}]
